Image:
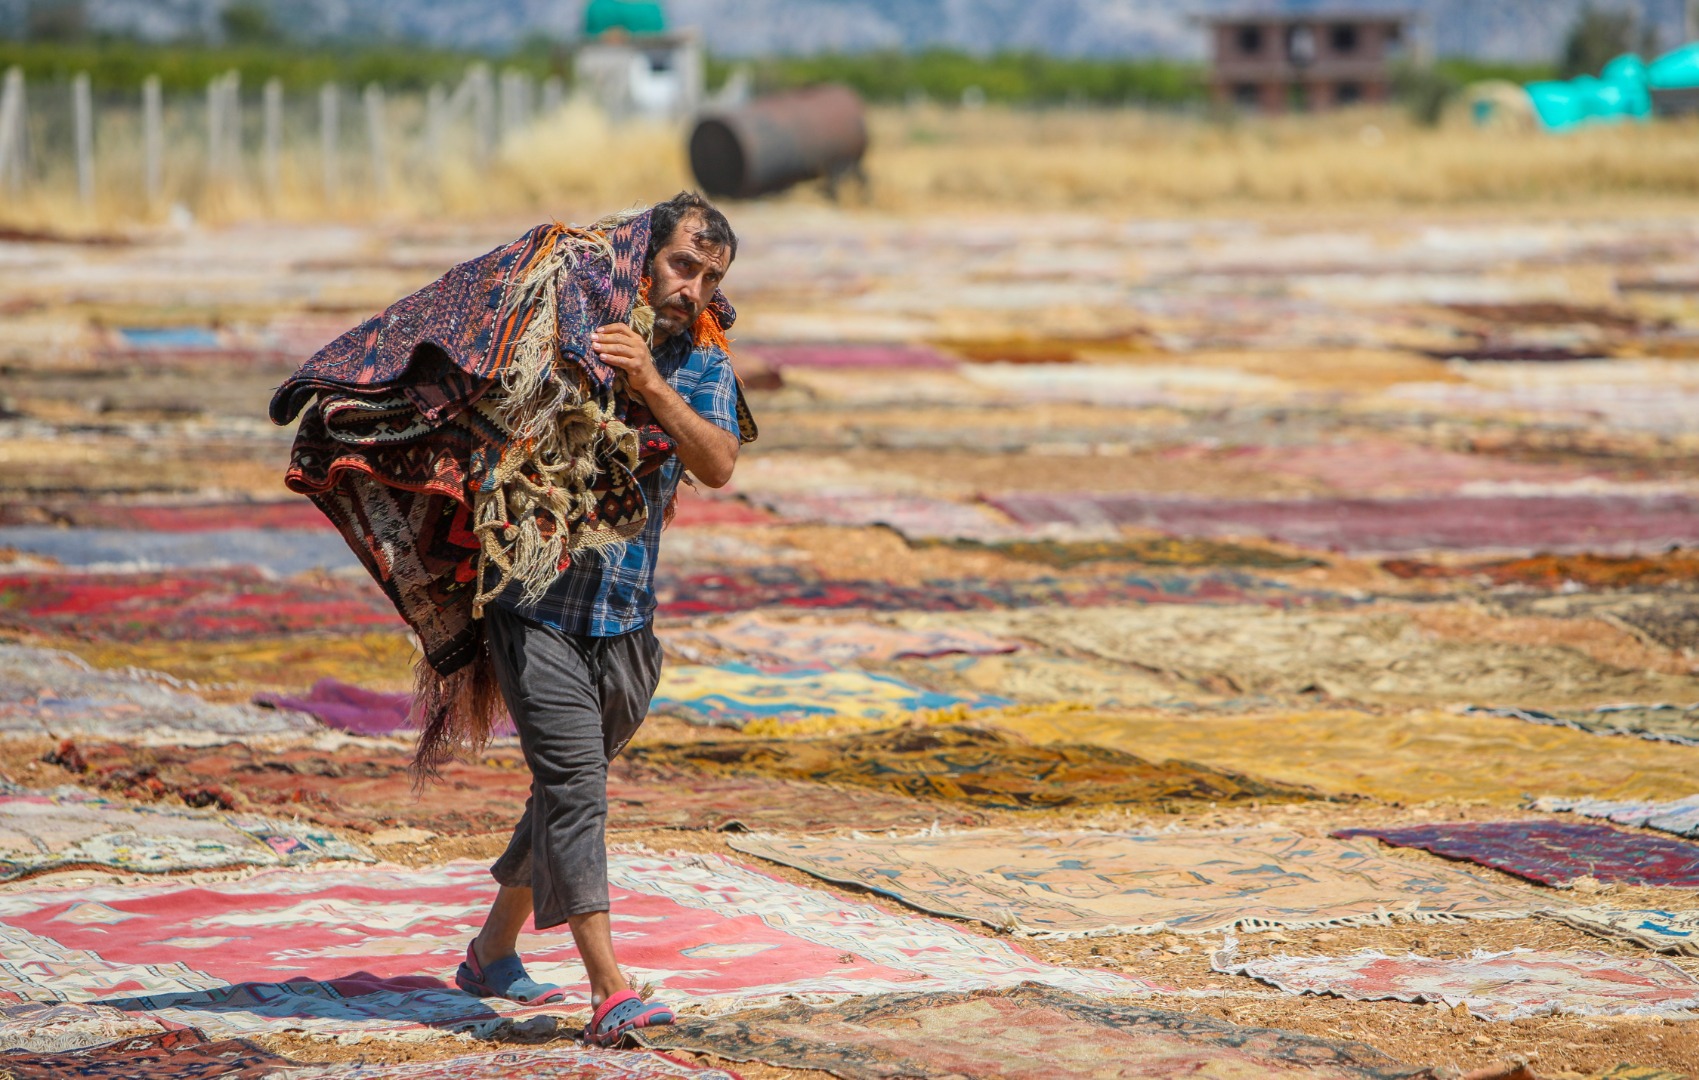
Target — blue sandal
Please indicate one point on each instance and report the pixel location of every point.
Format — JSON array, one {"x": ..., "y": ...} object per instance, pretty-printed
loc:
[
  {"x": 621, "y": 1013},
  {"x": 505, "y": 978}
]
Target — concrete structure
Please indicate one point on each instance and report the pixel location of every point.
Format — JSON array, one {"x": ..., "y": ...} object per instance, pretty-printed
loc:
[
  {"x": 1279, "y": 62},
  {"x": 658, "y": 76}
]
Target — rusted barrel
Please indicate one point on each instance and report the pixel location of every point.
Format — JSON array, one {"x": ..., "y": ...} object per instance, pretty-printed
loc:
[{"x": 774, "y": 142}]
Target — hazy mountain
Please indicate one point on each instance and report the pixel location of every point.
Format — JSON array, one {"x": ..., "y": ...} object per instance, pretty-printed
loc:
[{"x": 1520, "y": 30}]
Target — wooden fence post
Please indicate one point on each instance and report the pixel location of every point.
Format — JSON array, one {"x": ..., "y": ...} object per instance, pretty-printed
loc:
[
  {"x": 14, "y": 130},
  {"x": 153, "y": 139},
  {"x": 328, "y": 138},
  {"x": 375, "y": 134},
  {"x": 271, "y": 163},
  {"x": 82, "y": 121}
]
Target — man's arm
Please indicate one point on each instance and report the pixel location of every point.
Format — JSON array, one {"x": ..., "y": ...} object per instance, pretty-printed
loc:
[{"x": 706, "y": 449}]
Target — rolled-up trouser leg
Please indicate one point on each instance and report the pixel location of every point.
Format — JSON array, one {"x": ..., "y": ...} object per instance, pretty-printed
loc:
[{"x": 576, "y": 701}]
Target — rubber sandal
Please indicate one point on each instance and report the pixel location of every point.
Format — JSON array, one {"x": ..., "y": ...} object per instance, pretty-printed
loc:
[
  {"x": 505, "y": 978},
  {"x": 623, "y": 1012}
]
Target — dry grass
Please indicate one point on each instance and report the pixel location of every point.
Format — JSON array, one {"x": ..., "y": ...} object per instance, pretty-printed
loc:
[{"x": 922, "y": 158}]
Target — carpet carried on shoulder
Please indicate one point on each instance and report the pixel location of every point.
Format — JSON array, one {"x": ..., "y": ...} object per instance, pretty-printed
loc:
[
  {"x": 166, "y": 1055},
  {"x": 1660, "y": 931},
  {"x": 973, "y": 765},
  {"x": 371, "y": 951},
  {"x": 42, "y": 831},
  {"x": 1679, "y": 816},
  {"x": 1493, "y": 986},
  {"x": 1660, "y": 723},
  {"x": 370, "y": 789},
  {"x": 1075, "y": 884},
  {"x": 1030, "y": 1033},
  {"x": 53, "y": 693},
  {"x": 1552, "y": 852},
  {"x": 732, "y": 695},
  {"x": 559, "y": 1061}
]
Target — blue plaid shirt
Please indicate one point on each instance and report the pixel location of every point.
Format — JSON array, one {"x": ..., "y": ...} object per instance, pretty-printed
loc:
[{"x": 599, "y": 597}]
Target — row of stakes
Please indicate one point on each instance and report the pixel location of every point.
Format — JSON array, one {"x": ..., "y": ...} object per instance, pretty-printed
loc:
[{"x": 474, "y": 99}]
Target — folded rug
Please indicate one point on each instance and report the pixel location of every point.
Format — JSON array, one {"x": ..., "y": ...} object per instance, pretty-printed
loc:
[
  {"x": 1680, "y": 816},
  {"x": 1661, "y": 931},
  {"x": 1493, "y": 986},
  {"x": 54, "y": 1027},
  {"x": 1553, "y": 853}
]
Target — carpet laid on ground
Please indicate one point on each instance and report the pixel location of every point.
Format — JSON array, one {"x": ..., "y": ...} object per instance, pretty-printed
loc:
[
  {"x": 748, "y": 588},
  {"x": 277, "y": 551},
  {"x": 972, "y": 765},
  {"x": 1356, "y": 655},
  {"x": 1401, "y": 756},
  {"x": 135, "y": 518},
  {"x": 48, "y": 692},
  {"x": 371, "y": 951},
  {"x": 1493, "y": 986},
  {"x": 53, "y": 1027},
  {"x": 355, "y": 709},
  {"x": 1660, "y": 931},
  {"x": 50, "y": 830},
  {"x": 166, "y": 1055},
  {"x": 1030, "y": 1033},
  {"x": 1553, "y": 852},
  {"x": 1080, "y": 883},
  {"x": 764, "y": 640},
  {"x": 373, "y": 790},
  {"x": 733, "y": 695},
  {"x": 1679, "y": 816},
  {"x": 1152, "y": 551},
  {"x": 1660, "y": 723},
  {"x": 1604, "y": 523},
  {"x": 208, "y": 605},
  {"x": 559, "y": 1061}
]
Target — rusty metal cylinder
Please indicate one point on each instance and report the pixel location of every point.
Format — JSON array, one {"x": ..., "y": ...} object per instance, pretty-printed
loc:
[{"x": 774, "y": 142}]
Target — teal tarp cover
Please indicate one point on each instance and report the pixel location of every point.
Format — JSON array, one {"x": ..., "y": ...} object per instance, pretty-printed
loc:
[
  {"x": 1676, "y": 70},
  {"x": 632, "y": 16}
]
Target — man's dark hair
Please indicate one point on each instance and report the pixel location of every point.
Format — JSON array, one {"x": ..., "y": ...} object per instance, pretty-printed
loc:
[{"x": 664, "y": 219}]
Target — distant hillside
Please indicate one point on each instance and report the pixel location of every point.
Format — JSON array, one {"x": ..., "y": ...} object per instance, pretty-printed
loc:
[{"x": 1503, "y": 30}]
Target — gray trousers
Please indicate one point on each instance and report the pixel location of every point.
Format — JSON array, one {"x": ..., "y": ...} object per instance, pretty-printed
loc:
[{"x": 576, "y": 702}]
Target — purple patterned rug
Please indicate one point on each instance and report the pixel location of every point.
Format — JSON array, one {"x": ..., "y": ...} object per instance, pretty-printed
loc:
[{"x": 1553, "y": 853}]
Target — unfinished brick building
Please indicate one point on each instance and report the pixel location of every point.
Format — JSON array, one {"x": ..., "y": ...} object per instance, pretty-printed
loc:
[{"x": 1274, "y": 62}]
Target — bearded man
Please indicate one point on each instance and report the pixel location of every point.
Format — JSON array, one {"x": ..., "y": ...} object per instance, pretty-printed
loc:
[{"x": 502, "y": 450}]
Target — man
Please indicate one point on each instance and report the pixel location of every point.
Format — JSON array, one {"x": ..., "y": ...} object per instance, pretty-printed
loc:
[
  {"x": 501, "y": 450},
  {"x": 578, "y": 667}
]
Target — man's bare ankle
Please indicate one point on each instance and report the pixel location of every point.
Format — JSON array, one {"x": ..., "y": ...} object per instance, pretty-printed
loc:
[{"x": 487, "y": 954}]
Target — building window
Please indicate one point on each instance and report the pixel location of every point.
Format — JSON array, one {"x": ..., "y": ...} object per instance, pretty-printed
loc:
[
  {"x": 1301, "y": 45},
  {"x": 1249, "y": 39},
  {"x": 1343, "y": 38},
  {"x": 1348, "y": 93},
  {"x": 1247, "y": 95}
]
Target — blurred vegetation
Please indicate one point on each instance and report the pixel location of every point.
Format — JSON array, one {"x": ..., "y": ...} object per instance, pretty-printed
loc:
[
  {"x": 1426, "y": 90},
  {"x": 121, "y": 65},
  {"x": 1005, "y": 78},
  {"x": 1597, "y": 38}
]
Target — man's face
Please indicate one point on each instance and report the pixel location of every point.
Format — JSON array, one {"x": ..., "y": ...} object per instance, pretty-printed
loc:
[{"x": 683, "y": 277}]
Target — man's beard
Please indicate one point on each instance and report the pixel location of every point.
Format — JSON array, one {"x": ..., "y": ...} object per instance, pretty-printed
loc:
[{"x": 673, "y": 316}]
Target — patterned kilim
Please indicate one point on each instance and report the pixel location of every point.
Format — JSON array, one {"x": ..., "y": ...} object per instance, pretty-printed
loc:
[
  {"x": 732, "y": 695},
  {"x": 1031, "y": 1033},
  {"x": 1680, "y": 816},
  {"x": 1152, "y": 551},
  {"x": 560, "y": 1061},
  {"x": 1661, "y": 723},
  {"x": 1493, "y": 986},
  {"x": 372, "y": 951},
  {"x": 165, "y": 1055},
  {"x": 1079, "y": 883},
  {"x": 1662, "y": 931},
  {"x": 42, "y": 831},
  {"x": 1554, "y": 853},
  {"x": 207, "y": 605},
  {"x": 971, "y": 765},
  {"x": 764, "y": 640},
  {"x": 51, "y": 1028},
  {"x": 46, "y": 692},
  {"x": 374, "y": 790}
]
